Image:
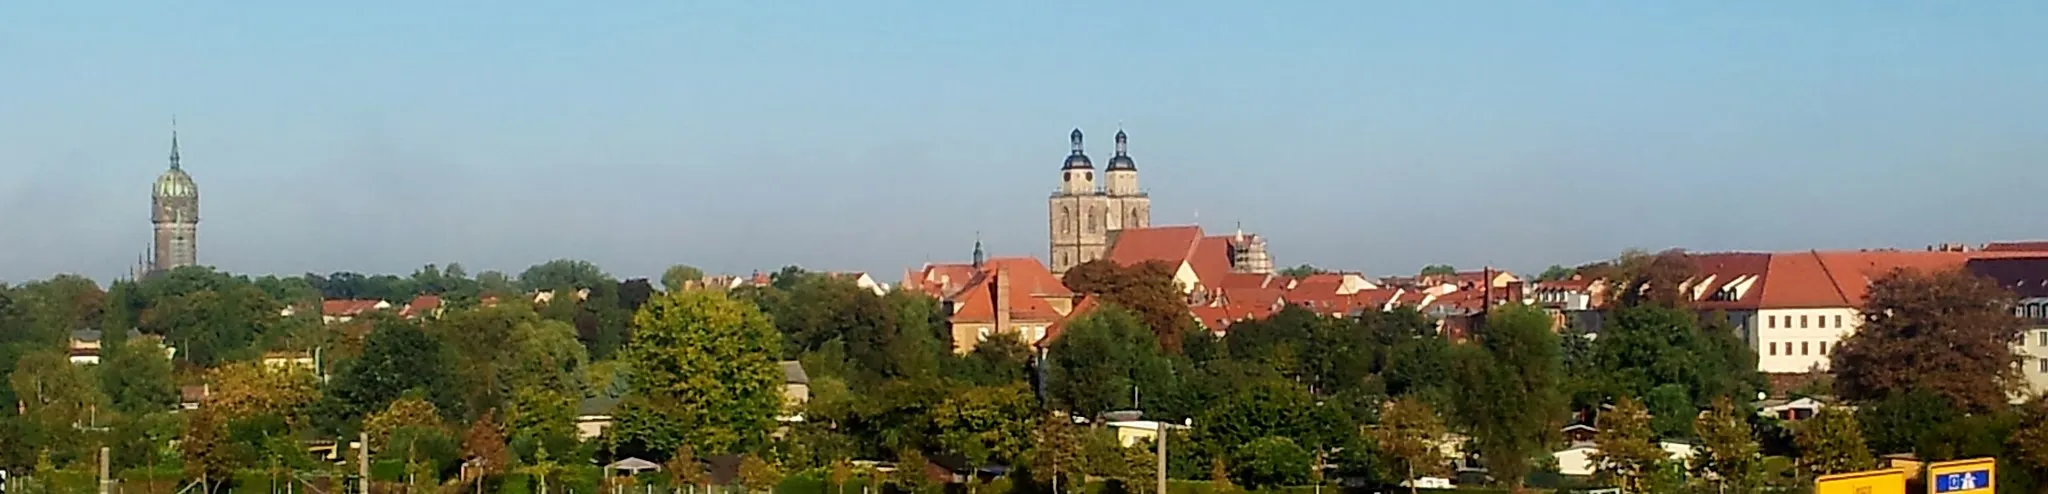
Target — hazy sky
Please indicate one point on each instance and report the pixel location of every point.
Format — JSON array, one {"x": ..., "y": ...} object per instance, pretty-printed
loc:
[{"x": 874, "y": 135}]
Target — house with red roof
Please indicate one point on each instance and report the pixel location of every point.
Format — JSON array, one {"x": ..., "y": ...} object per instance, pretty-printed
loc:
[
  {"x": 1198, "y": 261},
  {"x": 1794, "y": 308},
  {"x": 1014, "y": 297},
  {"x": 422, "y": 306},
  {"x": 345, "y": 310}
]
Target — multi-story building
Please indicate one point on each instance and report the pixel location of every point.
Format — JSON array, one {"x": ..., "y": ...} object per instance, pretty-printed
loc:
[
  {"x": 2027, "y": 278},
  {"x": 1014, "y": 297}
]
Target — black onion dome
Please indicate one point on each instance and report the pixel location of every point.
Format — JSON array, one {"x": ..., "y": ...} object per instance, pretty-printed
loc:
[
  {"x": 1122, "y": 163},
  {"x": 1077, "y": 159}
]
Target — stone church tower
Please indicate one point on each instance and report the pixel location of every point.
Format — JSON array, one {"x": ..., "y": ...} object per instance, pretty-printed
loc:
[
  {"x": 1083, "y": 218},
  {"x": 174, "y": 210}
]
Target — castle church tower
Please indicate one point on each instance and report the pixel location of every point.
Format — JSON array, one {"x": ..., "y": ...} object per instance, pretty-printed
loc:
[
  {"x": 1084, "y": 218},
  {"x": 174, "y": 211}
]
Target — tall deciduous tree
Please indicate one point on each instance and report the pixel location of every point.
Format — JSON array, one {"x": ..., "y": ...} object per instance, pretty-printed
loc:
[
  {"x": 484, "y": 447},
  {"x": 992, "y": 422},
  {"x": 1831, "y": 442},
  {"x": 1947, "y": 332},
  {"x": 137, "y": 377},
  {"x": 563, "y": 272},
  {"x": 1105, "y": 360},
  {"x": 1628, "y": 454},
  {"x": 398, "y": 357},
  {"x": 1516, "y": 361},
  {"x": 704, "y": 373},
  {"x": 1147, "y": 289},
  {"x": 1729, "y": 457},
  {"x": 1410, "y": 436}
]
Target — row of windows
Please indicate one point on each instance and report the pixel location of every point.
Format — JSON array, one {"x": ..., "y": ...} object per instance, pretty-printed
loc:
[
  {"x": 2032, "y": 311},
  {"x": 1771, "y": 322},
  {"x": 1804, "y": 348}
]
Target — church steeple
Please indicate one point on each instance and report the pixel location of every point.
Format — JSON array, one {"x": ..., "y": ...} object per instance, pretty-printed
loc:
[
  {"x": 979, "y": 257},
  {"x": 174, "y": 143}
]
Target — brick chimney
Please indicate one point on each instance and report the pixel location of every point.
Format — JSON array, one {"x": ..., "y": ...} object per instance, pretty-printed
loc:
[{"x": 1002, "y": 301}]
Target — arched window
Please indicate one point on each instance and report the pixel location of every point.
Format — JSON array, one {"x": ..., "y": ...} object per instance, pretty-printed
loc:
[
  {"x": 1066, "y": 219},
  {"x": 1094, "y": 221}
]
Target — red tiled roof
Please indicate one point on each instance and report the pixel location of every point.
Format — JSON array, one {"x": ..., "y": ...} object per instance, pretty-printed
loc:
[
  {"x": 1170, "y": 244},
  {"x": 1718, "y": 270},
  {"x": 1841, "y": 278},
  {"x": 1210, "y": 260},
  {"x": 1219, "y": 318},
  {"x": 424, "y": 304},
  {"x": 348, "y": 307},
  {"x": 1236, "y": 281},
  {"x": 940, "y": 280},
  {"x": 1030, "y": 284}
]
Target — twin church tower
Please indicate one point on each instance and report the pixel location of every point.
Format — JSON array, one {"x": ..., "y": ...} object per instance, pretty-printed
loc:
[{"x": 1085, "y": 217}]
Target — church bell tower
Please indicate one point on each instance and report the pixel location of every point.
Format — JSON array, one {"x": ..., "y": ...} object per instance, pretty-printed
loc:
[{"x": 174, "y": 213}]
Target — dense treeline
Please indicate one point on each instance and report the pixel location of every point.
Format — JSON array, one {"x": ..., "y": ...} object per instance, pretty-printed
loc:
[{"x": 1290, "y": 399}]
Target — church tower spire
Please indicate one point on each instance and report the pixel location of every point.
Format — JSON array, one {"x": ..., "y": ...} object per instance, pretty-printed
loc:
[
  {"x": 174, "y": 144},
  {"x": 979, "y": 257}
]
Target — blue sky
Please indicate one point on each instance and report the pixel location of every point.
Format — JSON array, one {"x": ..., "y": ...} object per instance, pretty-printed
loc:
[{"x": 377, "y": 136}]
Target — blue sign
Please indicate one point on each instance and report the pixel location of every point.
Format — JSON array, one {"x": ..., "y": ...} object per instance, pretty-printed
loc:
[{"x": 1962, "y": 481}]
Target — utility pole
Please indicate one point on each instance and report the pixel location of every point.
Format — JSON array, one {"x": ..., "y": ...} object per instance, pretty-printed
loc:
[
  {"x": 363, "y": 462},
  {"x": 1160, "y": 457},
  {"x": 105, "y": 482}
]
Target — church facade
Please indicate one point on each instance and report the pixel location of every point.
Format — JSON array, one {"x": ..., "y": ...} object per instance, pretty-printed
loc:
[
  {"x": 174, "y": 216},
  {"x": 1084, "y": 216}
]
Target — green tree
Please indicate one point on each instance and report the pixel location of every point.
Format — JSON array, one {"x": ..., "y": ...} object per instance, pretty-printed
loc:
[
  {"x": 1831, "y": 442},
  {"x": 1628, "y": 454},
  {"x": 1438, "y": 270},
  {"x": 993, "y": 422},
  {"x": 704, "y": 373},
  {"x": 1729, "y": 457},
  {"x": 680, "y": 277},
  {"x": 1301, "y": 271},
  {"x": 684, "y": 470},
  {"x": 402, "y": 413},
  {"x": 1515, "y": 361},
  {"x": 1947, "y": 332},
  {"x": 1410, "y": 435},
  {"x": 209, "y": 326},
  {"x": 1056, "y": 451},
  {"x": 1103, "y": 361},
  {"x": 137, "y": 377},
  {"x": 398, "y": 357},
  {"x": 1270, "y": 462},
  {"x": 1666, "y": 356},
  {"x": 1555, "y": 273},
  {"x": 563, "y": 272}
]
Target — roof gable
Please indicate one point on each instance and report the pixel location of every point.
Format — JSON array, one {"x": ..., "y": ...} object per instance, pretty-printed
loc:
[{"x": 1170, "y": 244}]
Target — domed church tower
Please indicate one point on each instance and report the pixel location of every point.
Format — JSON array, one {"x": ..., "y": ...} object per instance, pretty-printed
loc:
[
  {"x": 174, "y": 210},
  {"x": 1078, "y": 213},
  {"x": 1128, "y": 206}
]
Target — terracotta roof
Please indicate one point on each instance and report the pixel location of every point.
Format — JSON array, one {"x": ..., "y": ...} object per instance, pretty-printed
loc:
[
  {"x": 1235, "y": 281},
  {"x": 424, "y": 304},
  {"x": 1715, "y": 271},
  {"x": 1210, "y": 259},
  {"x": 1841, "y": 278},
  {"x": 348, "y": 307},
  {"x": 940, "y": 280},
  {"x": 1564, "y": 285},
  {"x": 1030, "y": 284},
  {"x": 1171, "y": 244},
  {"x": 1219, "y": 318}
]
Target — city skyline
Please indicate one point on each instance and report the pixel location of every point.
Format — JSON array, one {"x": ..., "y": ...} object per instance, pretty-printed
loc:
[{"x": 1520, "y": 136}]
